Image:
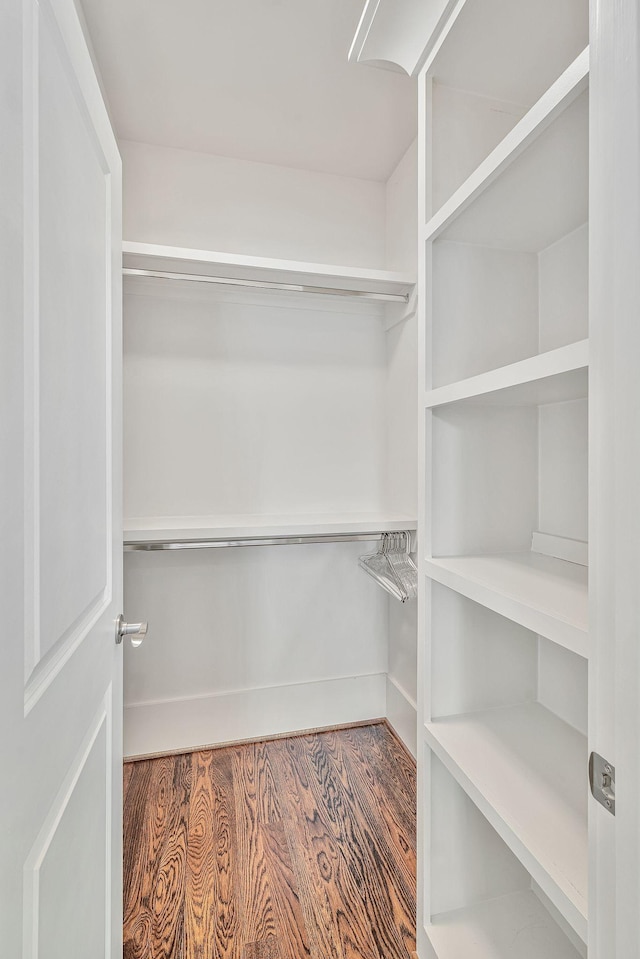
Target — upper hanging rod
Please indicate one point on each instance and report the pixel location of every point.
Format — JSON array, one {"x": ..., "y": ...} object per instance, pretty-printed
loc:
[{"x": 269, "y": 285}]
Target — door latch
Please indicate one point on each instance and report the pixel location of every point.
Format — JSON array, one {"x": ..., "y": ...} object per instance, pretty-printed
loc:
[{"x": 602, "y": 779}]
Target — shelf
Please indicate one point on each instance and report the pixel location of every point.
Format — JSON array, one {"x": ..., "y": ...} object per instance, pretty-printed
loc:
[
  {"x": 525, "y": 770},
  {"x": 573, "y": 82},
  {"x": 551, "y": 377},
  {"x": 544, "y": 594},
  {"x": 171, "y": 259},
  {"x": 525, "y": 196},
  {"x": 507, "y": 51},
  {"x": 510, "y": 927},
  {"x": 193, "y": 529}
]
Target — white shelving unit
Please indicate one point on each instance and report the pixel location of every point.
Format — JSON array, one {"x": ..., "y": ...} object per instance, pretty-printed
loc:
[
  {"x": 532, "y": 794},
  {"x": 504, "y": 363}
]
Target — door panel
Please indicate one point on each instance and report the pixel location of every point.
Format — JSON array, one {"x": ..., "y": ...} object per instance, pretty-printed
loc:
[{"x": 60, "y": 513}]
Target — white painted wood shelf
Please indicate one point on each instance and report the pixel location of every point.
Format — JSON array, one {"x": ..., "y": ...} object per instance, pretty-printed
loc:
[
  {"x": 542, "y": 593},
  {"x": 159, "y": 529},
  {"x": 573, "y": 82},
  {"x": 516, "y": 926},
  {"x": 525, "y": 769},
  {"x": 171, "y": 259},
  {"x": 550, "y": 377}
]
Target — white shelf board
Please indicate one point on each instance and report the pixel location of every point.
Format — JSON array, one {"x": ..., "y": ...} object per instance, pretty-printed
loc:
[
  {"x": 533, "y": 188},
  {"x": 159, "y": 529},
  {"x": 516, "y": 926},
  {"x": 503, "y": 51},
  {"x": 557, "y": 98},
  {"x": 544, "y": 594},
  {"x": 173, "y": 259},
  {"x": 550, "y": 377},
  {"x": 525, "y": 769}
]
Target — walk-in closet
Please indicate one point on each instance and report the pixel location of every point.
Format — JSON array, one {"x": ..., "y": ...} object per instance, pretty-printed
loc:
[{"x": 319, "y": 535}]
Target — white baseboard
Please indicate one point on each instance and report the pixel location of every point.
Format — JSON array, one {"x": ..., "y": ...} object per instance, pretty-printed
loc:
[
  {"x": 182, "y": 724},
  {"x": 402, "y": 714}
]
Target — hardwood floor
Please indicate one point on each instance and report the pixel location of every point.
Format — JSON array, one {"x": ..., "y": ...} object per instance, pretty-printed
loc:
[{"x": 293, "y": 848}]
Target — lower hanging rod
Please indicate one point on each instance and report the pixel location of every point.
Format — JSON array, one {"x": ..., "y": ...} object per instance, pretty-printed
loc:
[
  {"x": 151, "y": 545},
  {"x": 269, "y": 285}
]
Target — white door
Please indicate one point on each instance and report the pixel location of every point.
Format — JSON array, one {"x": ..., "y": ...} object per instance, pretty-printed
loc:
[
  {"x": 60, "y": 514},
  {"x": 614, "y": 667}
]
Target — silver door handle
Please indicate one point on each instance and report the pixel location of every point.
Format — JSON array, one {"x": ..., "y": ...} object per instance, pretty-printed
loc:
[{"x": 137, "y": 631}]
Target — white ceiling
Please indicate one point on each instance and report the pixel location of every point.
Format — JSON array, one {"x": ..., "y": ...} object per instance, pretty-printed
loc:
[{"x": 264, "y": 80}]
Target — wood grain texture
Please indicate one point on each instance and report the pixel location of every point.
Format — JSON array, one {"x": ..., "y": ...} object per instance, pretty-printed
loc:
[{"x": 297, "y": 848}]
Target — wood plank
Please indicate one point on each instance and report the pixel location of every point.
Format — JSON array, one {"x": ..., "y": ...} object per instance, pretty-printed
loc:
[
  {"x": 388, "y": 900},
  {"x": 199, "y": 906},
  {"x": 127, "y": 772},
  {"x": 392, "y": 799},
  {"x": 395, "y": 763},
  {"x": 145, "y": 814},
  {"x": 251, "y": 810},
  {"x": 167, "y": 903},
  {"x": 286, "y": 889},
  {"x": 330, "y": 899},
  {"x": 270, "y": 948},
  {"x": 365, "y": 784},
  {"x": 225, "y": 892}
]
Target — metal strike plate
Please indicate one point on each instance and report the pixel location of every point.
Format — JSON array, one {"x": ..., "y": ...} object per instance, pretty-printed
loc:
[{"x": 602, "y": 779}]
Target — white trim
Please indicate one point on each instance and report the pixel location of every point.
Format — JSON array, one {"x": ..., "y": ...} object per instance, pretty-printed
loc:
[
  {"x": 251, "y": 713},
  {"x": 561, "y": 547},
  {"x": 241, "y": 690},
  {"x": 402, "y": 714},
  {"x": 31, "y": 318}
]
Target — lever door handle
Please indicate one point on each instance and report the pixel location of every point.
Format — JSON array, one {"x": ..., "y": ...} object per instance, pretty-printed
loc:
[{"x": 137, "y": 631}]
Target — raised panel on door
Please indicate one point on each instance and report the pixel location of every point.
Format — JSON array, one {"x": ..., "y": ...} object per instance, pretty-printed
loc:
[{"x": 67, "y": 357}]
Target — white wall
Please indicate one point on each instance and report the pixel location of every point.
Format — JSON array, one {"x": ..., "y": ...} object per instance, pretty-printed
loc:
[
  {"x": 251, "y": 641},
  {"x": 401, "y": 220},
  {"x": 241, "y": 404},
  {"x": 401, "y": 243},
  {"x": 196, "y": 200}
]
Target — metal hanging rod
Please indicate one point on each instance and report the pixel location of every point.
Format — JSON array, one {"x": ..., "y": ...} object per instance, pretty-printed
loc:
[
  {"x": 152, "y": 545},
  {"x": 268, "y": 285}
]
